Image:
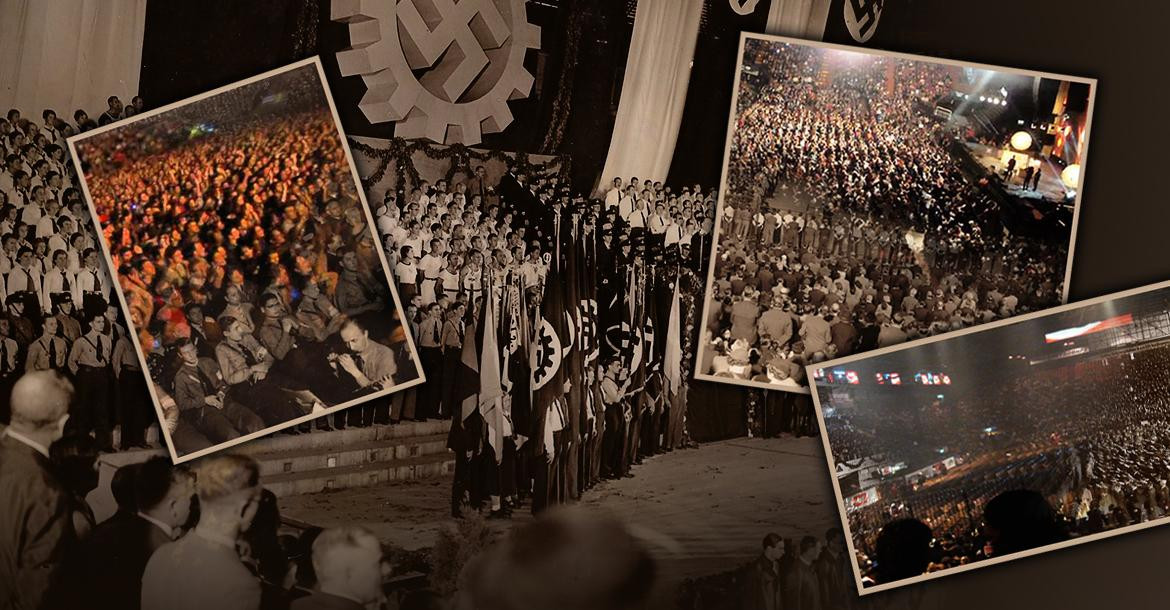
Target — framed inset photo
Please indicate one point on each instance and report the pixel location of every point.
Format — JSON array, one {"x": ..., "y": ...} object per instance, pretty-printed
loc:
[
  {"x": 870, "y": 198},
  {"x": 999, "y": 442},
  {"x": 245, "y": 256}
]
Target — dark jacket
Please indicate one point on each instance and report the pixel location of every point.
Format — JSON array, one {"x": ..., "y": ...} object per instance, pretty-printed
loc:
[
  {"x": 36, "y": 525},
  {"x": 761, "y": 586},
  {"x": 109, "y": 565}
]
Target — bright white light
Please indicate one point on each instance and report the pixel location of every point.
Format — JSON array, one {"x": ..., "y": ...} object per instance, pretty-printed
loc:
[{"x": 1021, "y": 140}]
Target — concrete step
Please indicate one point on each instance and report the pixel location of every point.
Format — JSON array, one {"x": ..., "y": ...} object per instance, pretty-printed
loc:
[
  {"x": 360, "y": 475},
  {"x": 341, "y": 438},
  {"x": 307, "y": 459}
]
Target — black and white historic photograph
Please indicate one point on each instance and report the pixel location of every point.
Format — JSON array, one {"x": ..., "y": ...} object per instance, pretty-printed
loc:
[
  {"x": 958, "y": 452},
  {"x": 873, "y": 198},
  {"x": 257, "y": 292}
]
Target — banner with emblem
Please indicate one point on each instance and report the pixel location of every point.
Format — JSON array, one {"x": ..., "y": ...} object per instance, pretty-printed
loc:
[
  {"x": 862, "y": 499},
  {"x": 491, "y": 389},
  {"x": 546, "y": 355},
  {"x": 855, "y": 21},
  {"x": 516, "y": 374}
]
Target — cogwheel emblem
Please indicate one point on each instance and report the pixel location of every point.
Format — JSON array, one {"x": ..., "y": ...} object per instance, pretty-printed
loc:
[{"x": 439, "y": 69}]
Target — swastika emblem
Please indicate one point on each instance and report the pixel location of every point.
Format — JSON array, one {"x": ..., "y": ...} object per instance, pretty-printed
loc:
[
  {"x": 861, "y": 18},
  {"x": 744, "y": 7},
  {"x": 443, "y": 70}
]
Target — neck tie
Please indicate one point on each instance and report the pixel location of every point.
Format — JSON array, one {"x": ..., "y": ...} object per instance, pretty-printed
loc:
[
  {"x": 3, "y": 356},
  {"x": 64, "y": 282},
  {"x": 97, "y": 282},
  {"x": 52, "y": 354},
  {"x": 101, "y": 351},
  {"x": 249, "y": 357},
  {"x": 436, "y": 331},
  {"x": 208, "y": 387}
]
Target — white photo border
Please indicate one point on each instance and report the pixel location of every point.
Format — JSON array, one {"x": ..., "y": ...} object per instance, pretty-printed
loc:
[
  {"x": 831, "y": 463},
  {"x": 389, "y": 276},
  {"x": 744, "y": 37}
]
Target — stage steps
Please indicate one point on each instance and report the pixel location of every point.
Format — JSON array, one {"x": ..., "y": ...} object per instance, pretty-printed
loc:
[{"x": 354, "y": 457}]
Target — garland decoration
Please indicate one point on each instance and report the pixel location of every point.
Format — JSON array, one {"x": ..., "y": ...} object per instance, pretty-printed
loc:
[
  {"x": 561, "y": 104},
  {"x": 399, "y": 151}
]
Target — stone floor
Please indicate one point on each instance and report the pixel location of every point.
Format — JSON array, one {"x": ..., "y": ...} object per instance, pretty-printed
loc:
[{"x": 701, "y": 511}]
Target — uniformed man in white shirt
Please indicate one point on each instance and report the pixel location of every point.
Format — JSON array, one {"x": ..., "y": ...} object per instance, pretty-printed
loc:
[
  {"x": 613, "y": 393},
  {"x": 57, "y": 280},
  {"x": 614, "y": 195},
  {"x": 626, "y": 203},
  {"x": 92, "y": 282},
  {"x": 89, "y": 359},
  {"x": 24, "y": 277}
]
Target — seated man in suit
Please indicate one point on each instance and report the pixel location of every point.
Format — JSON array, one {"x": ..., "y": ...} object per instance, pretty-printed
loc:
[
  {"x": 348, "y": 563},
  {"x": 201, "y": 395},
  {"x": 247, "y": 368}
]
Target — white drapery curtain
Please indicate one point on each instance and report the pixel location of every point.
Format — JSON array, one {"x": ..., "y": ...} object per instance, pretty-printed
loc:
[
  {"x": 69, "y": 54},
  {"x": 798, "y": 18},
  {"x": 654, "y": 90}
]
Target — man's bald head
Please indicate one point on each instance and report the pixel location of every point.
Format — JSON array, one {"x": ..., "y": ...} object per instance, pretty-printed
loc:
[
  {"x": 40, "y": 401},
  {"x": 348, "y": 562}
]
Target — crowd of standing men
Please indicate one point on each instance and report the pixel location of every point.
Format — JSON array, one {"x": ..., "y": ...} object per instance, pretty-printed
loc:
[
  {"x": 59, "y": 310},
  {"x": 880, "y": 236},
  {"x": 525, "y": 259}
]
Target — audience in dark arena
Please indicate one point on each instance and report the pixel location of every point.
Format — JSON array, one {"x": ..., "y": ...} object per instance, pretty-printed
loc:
[{"x": 1041, "y": 457}]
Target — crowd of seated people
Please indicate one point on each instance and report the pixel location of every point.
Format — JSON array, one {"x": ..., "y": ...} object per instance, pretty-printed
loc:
[
  {"x": 881, "y": 236},
  {"x": 249, "y": 269},
  {"x": 59, "y": 311},
  {"x": 1083, "y": 445}
]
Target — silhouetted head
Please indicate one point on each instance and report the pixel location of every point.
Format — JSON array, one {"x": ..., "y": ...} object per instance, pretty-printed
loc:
[
  {"x": 122, "y": 487},
  {"x": 1019, "y": 520},
  {"x": 568, "y": 559},
  {"x": 903, "y": 550}
]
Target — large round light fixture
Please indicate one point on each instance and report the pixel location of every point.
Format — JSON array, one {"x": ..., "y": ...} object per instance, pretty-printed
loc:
[
  {"x": 1021, "y": 140},
  {"x": 1071, "y": 176}
]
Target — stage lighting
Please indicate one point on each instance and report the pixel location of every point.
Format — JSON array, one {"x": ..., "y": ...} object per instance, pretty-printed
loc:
[
  {"x": 982, "y": 98},
  {"x": 1021, "y": 140},
  {"x": 1071, "y": 176}
]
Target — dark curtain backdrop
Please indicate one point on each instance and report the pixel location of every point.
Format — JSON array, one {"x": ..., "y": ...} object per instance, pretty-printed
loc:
[
  {"x": 710, "y": 416},
  {"x": 699, "y": 153},
  {"x": 193, "y": 46}
]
